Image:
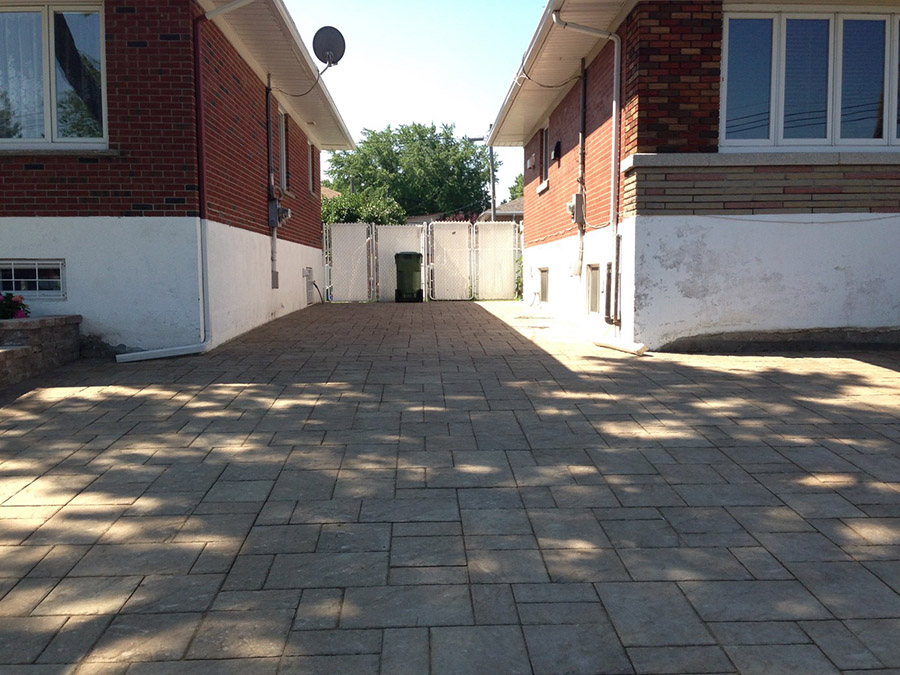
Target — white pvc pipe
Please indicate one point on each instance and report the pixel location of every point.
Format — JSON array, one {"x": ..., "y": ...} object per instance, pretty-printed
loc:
[{"x": 616, "y": 111}]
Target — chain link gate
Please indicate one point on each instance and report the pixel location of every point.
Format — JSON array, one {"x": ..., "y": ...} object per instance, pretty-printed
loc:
[
  {"x": 349, "y": 249},
  {"x": 450, "y": 261},
  {"x": 461, "y": 261},
  {"x": 496, "y": 260}
]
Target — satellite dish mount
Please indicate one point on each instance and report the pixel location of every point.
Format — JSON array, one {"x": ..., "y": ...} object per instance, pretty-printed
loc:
[{"x": 328, "y": 45}]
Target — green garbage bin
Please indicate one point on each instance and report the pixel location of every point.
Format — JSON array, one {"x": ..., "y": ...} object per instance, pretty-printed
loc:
[{"x": 409, "y": 277}]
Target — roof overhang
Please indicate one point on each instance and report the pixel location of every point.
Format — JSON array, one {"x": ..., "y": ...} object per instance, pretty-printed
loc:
[
  {"x": 552, "y": 60},
  {"x": 265, "y": 35}
]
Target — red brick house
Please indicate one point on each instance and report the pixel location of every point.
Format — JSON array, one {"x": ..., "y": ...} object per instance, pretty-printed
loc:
[
  {"x": 136, "y": 142},
  {"x": 707, "y": 167}
]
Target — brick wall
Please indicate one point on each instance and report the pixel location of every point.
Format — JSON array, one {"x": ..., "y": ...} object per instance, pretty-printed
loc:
[
  {"x": 151, "y": 169},
  {"x": 547, "y": 219},
  {"x": 766, "y": 189},
  {"x": 672, "y": 56}
]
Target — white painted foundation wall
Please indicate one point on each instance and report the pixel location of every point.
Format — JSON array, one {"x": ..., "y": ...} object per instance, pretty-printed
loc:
[
  {"x": 137, "y": 281},
  {"x": 568, "y": 292},
  {"x": 240, "y": 279},
  {"x": 697, "y": 275}
]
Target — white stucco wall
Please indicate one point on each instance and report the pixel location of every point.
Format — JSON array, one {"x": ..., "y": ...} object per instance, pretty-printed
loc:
[
  {"x": 240, "y": 279},
  {"x": 134, "y": 280},
  {"x": 699, "y": 275},
  {"x": 137, "y": 281},
  {"x": 568, "y": 292}
]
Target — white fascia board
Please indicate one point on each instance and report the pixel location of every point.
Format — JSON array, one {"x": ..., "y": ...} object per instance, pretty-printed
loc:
[
  {"x": 528, "y": 59},
  {"x": 537, "y": 53},
  {"x": 275, "y": 10}
]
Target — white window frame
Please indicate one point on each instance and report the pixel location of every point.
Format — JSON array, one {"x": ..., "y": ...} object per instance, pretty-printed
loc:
[
  {"x": 781, "y": 81},
  {"x": 833, "y": 142},
  {"x": 38, "y": 263},
  {"x": 50, "y": 140},
  {"x": 889, "y": 38},
  {"x": 773, "y": 86}
]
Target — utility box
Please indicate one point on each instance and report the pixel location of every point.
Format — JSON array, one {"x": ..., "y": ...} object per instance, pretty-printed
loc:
[{"x": 409, "y": 277}]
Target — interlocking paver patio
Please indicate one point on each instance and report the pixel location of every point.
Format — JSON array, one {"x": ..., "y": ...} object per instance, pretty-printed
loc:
[{"x": 451, "y": 488}]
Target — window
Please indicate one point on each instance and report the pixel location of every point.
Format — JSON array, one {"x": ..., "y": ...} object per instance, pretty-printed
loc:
[
  {"x": 545, "y": 154},
  {"x": 284, "y": 175},
  {"x": 800, "y": 80},
  {"x": 594, "y": 289},
  {"x": 33, "y": 278},
  {"x": 545, "y": 284},
  {"x": 313, "y": 153},
  {"x": 52, "y": 76}
]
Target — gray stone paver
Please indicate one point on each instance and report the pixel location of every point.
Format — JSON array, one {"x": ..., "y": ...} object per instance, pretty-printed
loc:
[{"x": 444, "y": 488}]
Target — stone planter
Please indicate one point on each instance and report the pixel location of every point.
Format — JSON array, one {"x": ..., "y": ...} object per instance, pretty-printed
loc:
[{"x": 32, "y": 346}]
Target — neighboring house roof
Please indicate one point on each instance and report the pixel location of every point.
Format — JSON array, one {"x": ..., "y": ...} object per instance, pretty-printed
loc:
[
  {"x": 553, "y": 58},
  {"x": 424, "y": 219},
  {"x": 511, "y": 210},
  {"x": 328, "y": 193},
  {"x": 265, "y": 34}
]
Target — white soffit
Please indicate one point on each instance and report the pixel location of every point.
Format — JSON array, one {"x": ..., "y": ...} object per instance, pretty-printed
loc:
[
  {"x": 553, "y": 58},
  {"x": 268, "y": 36}
]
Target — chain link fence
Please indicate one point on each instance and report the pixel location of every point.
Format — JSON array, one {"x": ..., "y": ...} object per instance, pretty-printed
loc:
[{"x": 461, "y": 261}]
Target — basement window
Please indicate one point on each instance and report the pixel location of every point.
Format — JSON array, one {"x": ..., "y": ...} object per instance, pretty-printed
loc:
[
  {"x": 595, "y": 290},
  {"x": 52, "y": 78},
  {"x": 42, "y": 279},
  {"x": 802, "y": 80}
]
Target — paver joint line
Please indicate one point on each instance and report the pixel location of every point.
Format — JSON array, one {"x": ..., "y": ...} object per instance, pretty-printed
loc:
[{"x": 444, "y": 488}]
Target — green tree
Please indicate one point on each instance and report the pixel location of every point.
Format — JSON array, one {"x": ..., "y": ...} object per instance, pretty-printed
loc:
[
  {"x": 425, "y": 169},
  {"x": 9, "y": 127},
  {"x": 517, "y": 189},
  {"x": 369, "y": 206}
]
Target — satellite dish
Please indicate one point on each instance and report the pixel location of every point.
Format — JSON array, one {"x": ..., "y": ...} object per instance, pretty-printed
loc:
[{"x": 328, "y": 45}]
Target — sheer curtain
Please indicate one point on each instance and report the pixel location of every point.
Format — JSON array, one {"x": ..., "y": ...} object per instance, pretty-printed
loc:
[{"x": 21, "y": 75}]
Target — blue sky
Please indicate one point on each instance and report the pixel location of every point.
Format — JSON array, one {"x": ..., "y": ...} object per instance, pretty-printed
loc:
[{"x": 440, "y": 61}]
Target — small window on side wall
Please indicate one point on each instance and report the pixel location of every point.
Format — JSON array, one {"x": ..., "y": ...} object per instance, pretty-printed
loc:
[
  {"x": 283, "y": 149},
  {"x": 545, "y": 284},
  {"x": 313, "y": 168},
  {"x": 33, "y": 278},
  {"x": 594, "y": 289},
  {"x": 545, "y": 154}
]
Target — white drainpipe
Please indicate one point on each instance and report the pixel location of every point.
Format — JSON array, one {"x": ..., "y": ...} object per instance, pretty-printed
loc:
[
  {"x": 616, "y": 108},
  {"x": 205, "y": 332},
  {"x": 615, "y": 342}
]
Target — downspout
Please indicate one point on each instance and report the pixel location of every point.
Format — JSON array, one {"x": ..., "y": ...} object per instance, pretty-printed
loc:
[
  {"x": 614, "y": 311},
  {"x": 582, "y": 133},
  {"x": 273, "y": 202},
  {"x": 616, "y": 110},
  {"x": 200, "y": 125}
]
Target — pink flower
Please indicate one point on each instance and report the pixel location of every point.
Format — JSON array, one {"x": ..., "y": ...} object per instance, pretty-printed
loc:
[
  {"x": 20, "y": 314},
  {"x": 18, "y": 298}
]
